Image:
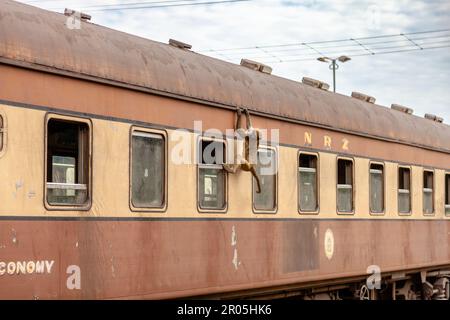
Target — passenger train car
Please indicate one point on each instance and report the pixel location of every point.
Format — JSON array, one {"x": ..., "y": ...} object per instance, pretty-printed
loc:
[{"x": 99, "y": 201}]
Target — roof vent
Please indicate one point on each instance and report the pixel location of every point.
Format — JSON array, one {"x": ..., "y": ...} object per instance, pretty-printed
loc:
[
  {"x": 363, "y": 97},
  {"x": 315, "y": 83},
  {"x": 402, "y": 109},
  {"x": 434, "y": 118},
  {"x": 179, "y": 44},
  {"x": 81, "y": 15},
  {"x": 257, "y": 66}
]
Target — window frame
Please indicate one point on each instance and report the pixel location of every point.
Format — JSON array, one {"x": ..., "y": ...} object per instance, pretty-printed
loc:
[
  {"x": 432, "y": 171},
  {"x": 201, "y": 210},
  {"x": 4, "y": 132},
  {"x": 446, "y": 205},
  {"x": 346, "y": 213},
  {"x": 411, "y": 186},
  {"x": 275, "y": 209},
  {"x": 374, "y": 213},
  {"x": 317, "y": 155},
  {"x": 81, "y": 120},
  {"x": 163, "y": 133}
]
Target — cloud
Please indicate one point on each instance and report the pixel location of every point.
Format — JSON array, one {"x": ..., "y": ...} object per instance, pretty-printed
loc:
[{"x": 416, "y": 79}]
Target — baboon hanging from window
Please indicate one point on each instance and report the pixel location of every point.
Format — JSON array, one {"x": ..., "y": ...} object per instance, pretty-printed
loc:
[{"x": 250, "y": 135}]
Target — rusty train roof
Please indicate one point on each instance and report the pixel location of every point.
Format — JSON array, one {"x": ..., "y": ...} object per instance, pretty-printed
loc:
[{"x": 40, "y": 38}]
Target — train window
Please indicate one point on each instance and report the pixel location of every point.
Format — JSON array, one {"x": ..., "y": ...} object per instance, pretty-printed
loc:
[
  {"x": 404, "y": 190},
  {"x": 345, "y": 186},
  {"x": 308, "y": 181},
  {"x": 447, "y": 194},
  {"x": 376, "y": 188},
  {"x": 266, "y": 169},
  {"x": 428, "y": 192},
  {"x": 148, "y": 172},
  {"x": 68, "y": 162},
  {"x": 211, "y": 176}
]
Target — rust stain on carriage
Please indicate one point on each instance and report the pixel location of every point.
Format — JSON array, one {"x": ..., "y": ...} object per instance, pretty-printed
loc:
[
  {"x": 144, "y": 262},
  {"x": 40, "y": 37},
  {"x": 301, "y": 241},
  {"x": 181, "y": 258}
]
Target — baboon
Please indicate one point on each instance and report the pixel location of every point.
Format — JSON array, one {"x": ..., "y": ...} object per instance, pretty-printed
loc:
[{"x": 249, "y": 135}]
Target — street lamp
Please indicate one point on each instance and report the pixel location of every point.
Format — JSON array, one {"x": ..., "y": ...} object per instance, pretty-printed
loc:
[{"x": 334, "y": 66}]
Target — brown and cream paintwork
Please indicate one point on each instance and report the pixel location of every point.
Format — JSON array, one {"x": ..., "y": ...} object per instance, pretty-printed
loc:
[
  {"x": 182, "y": 252},
  {"x": 109, "y": 251}
]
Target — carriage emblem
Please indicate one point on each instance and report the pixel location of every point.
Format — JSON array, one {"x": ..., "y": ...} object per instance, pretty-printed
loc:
[{"x": 329, "y": 244}]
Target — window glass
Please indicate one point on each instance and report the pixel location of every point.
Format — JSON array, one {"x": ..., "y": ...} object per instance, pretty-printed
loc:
[
  {"x": 428, "y": 192},
  {"x": 211, "y": 176},
  {"x": 147, "y": 170},
  {"x": 307, "y": 177},
  {"x": 67, "y": 162},
  {"x": 376, "y": 188},
  {"x": 404, "y": 190},
  {"x": 345, "y": 186},
  {"x": 266, "y": 170}
]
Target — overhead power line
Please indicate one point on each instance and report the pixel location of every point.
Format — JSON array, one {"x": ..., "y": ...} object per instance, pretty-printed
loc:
[
  {"x": 362, "y": 46},
  {"x": 363, "y": 54},
  {"x": 372, "y": 51},
  {"x": 356, "y": 45},
  {"x": 324, "y": 42},
  {"x": 207, "y": 3},
  {"x": 152, "y": 5},
  {"x": 137, "y": 3},
  {"x": 346, "y": 47}
]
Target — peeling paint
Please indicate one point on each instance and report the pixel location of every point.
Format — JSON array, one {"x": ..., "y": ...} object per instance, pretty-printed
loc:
[
  {"x": 19, "y": 184},
  {"x": 113, "y": 270},
  {"x": 14, "y": 239},
  {"x": 233, "y": 236},
  {"x": 235, "y": 261}
]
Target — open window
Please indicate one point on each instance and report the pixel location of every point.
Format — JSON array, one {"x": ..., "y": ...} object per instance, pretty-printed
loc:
[
  {"x": 345, "y": 185},
  {"x": 211, "y": 175},
  {"x": 447, "y": 194},
  {"x": 428, "y": 192},
  {"x": 67, "y": 162},
  {"x": 376, "y": 188},
  {"x": 266, "y": 169},
  {"x": 148, "y": 170},
  {"x": 404, "y": 190},
  {"x": 308, "y": 183}
]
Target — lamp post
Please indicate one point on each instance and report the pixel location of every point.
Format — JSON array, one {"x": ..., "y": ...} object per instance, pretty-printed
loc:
[{"x": 334, "y": 66}]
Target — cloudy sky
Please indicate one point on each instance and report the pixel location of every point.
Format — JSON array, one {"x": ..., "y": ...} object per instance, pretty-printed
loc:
[{"x": 417, "y": 79}]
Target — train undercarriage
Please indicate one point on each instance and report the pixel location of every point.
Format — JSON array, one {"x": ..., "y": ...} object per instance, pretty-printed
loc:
[{"x": 425, "y": 284}]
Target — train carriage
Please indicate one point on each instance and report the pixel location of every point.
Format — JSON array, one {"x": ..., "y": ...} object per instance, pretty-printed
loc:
[{"x": 98, "y": 200}]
